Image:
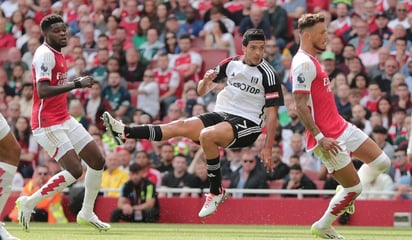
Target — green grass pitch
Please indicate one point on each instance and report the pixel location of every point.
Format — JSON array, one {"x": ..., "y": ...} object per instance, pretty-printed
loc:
[{"x": 125, "y": 231}]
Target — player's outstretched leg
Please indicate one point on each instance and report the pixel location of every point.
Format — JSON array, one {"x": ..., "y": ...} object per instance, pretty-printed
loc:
[{"x": 114, "y": 127}]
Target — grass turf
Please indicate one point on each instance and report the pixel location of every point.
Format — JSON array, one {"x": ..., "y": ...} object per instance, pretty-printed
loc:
[{"x": 124, "y": 231}]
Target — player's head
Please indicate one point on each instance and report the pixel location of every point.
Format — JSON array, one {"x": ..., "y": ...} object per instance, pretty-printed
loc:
[
  {"x": 312, "y": 30},
  {"x": 253, "y": 46},
  {"x": 54, "y": 30}
]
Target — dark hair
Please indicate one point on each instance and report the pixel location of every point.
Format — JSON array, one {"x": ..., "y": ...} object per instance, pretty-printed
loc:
[
  {"x": 185, "y": 36},
  {"x": 310, "y": 20},
  {"x": 50, "y": 20},
  {"x": 135, "y": 168},
  {"x": 106, "y": 19},
  {"x": 222, "y": 26},
  {"x": 390, "y": 113},
  {"x": 253, "y": 34},
  {"x": 361, "y": 74},
  {"x": 296, "y": 167},
  {"x": 380, "y": 129}
]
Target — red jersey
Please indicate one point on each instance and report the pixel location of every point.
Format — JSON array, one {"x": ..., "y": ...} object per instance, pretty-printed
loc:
[
  {"x": 49, "y": 65},
  {"x": 168, "y": 79},
  {"x": 184, "y": 61},
  {"x": 308, "y": 76}
]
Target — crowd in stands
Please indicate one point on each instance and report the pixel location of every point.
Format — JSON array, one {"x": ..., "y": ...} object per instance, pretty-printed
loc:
[{"x": 147, "y": 56}]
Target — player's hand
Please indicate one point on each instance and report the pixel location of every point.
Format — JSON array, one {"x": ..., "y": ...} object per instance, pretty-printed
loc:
[
  {"x": 266, "y": 158},
  {"x": 209, "y": 75},
  {"x": 331, "y": 146},
  {"x": 86, "y": 81}
]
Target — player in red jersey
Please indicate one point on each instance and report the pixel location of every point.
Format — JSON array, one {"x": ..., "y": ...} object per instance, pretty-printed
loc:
[
  {"x": 9, "y": 159},
  {"x": 332, "y": 139},
  {"x": 57, "y": 132}
]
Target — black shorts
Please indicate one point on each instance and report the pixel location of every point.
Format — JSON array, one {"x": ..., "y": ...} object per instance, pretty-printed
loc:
[{"x": 244, "y": 130}]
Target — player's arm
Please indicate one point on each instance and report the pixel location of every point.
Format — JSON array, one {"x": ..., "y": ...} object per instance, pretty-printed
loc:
[
  {"x": 45, "y": 90},
  {"x": 206, "y": 84},
  {"x": 271, "y": 124},
  {"x": 329, "y": 144},
  {"x": 304, "y": 114}
]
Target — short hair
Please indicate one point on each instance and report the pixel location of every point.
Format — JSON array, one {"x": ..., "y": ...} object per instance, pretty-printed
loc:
[
  {"x": 50, "y": 20},
  {"x": 185, "y": 36},
  {"x": 380, "y": 129},
  {"x": 296, "y": 167},
  {"x": 253, "y": 34},
  {"x": 309, "y": 20},
  {"x": 135, "y": 168}
]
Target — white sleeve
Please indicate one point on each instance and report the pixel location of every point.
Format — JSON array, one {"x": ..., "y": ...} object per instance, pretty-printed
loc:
[
  {"x": 174, "y": 80},
  {"x": 196, "y": 58},
  {"x": 303, "y": 73},
  {"x": 43, "y": 64}
]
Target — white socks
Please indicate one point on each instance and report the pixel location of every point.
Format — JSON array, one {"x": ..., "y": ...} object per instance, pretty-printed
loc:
[
  {"x": 55, "y": 184},
  {"x": 92, "y": 183}
]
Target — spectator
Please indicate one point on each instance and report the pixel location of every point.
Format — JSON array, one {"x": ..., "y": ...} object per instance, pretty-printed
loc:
[
  {"x": 118, "y": 96},
  {"x": 232, "y": 163},
  {"x": 342, "y": 21},
  {"x": 41, "y": 10},
  {"x": 384, "y": 80},
  {"x": 220, "y": 38},
  {"x": 95, "y": 105},
  {"x": 400, "y": 165},
  {"x": 328, "y": 60},
  {"x": 217, "y": 13},
  {"x": 342, "y": 101},
  {"x": 273, "y": 55},
  {"x": 164, "y": 164},
  {"x": 9, "y": 7},
  {"x": 403, "y": 188},
  {"x": 255, "y": 20},
  {"x": 382, "y": 30},
  {"x": 277, "y": 18},
  {"x": 295, "y": 8},
  {"x": 370, "y": 57},
  {"x": 153, "y": 175},
  {"x": 113, "y": 177},
  {"x": 138, "y": 201},
  {"x": 26, "y": 99},
  {"x": 250, "y": 176},
  {"x": 397, "y": 128},
  {"x": 378, "y": 69},
  {"x": 172, "y": 25},
  {"x": 239, "y": 10},
  {"x": 298, "y": 180},
  {"x": 130, "y": 22},
  {"x": 280, "y": 169},
  {"x": 178, "y": 177},
  {"x": 14, "y": 59},
  {"x": 29, "y": 147},
  {"x": 49, "y": 209},
  {"x": 355, "y": 66},
  {"x": 168, "y": 80},
  {"x": 124, "y": 158},
  {"x": 401, "y": 16},
  {"x": 148, "y": 94},
  {"x": 32, "y": 45},
  {"x": 76, "y": 110},
  {"x": 134, "y": 69},
  {"x": 140, "y": 37},
  {"x": 193, "y": 24},
  {"x": 295, "y": 125},
  {"x": 307, "y": 160},
  {"x": 188, "y": 62},
  {"x": 151, "y": 47},
  {"x": 348, "y": 53},
  {"x": 159, "y": 22},
  {"x": 361, "y": 82},
  {"x": 385, "y": 109},
  {"x": 359, "y": 116},
  {"x": 403, "y": 97}
]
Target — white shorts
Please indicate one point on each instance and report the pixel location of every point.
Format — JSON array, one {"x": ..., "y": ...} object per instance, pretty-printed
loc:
[
  {"x": 4, "y": 127},
  {"x": 57, "y": 140},
  {"x": 349, "y": 141}
]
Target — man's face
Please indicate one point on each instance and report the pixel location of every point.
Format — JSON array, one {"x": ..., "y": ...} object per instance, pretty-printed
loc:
[{"x": 56, "y": 35}]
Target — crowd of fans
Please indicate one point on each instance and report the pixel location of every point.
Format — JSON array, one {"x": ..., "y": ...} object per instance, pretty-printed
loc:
[{"x": 145, "y": 59}]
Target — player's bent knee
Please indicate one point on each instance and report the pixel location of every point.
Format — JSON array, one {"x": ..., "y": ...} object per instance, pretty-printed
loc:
[
  {"x": 206, "y": 135},
  {"x": 381, "y": 163}
]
